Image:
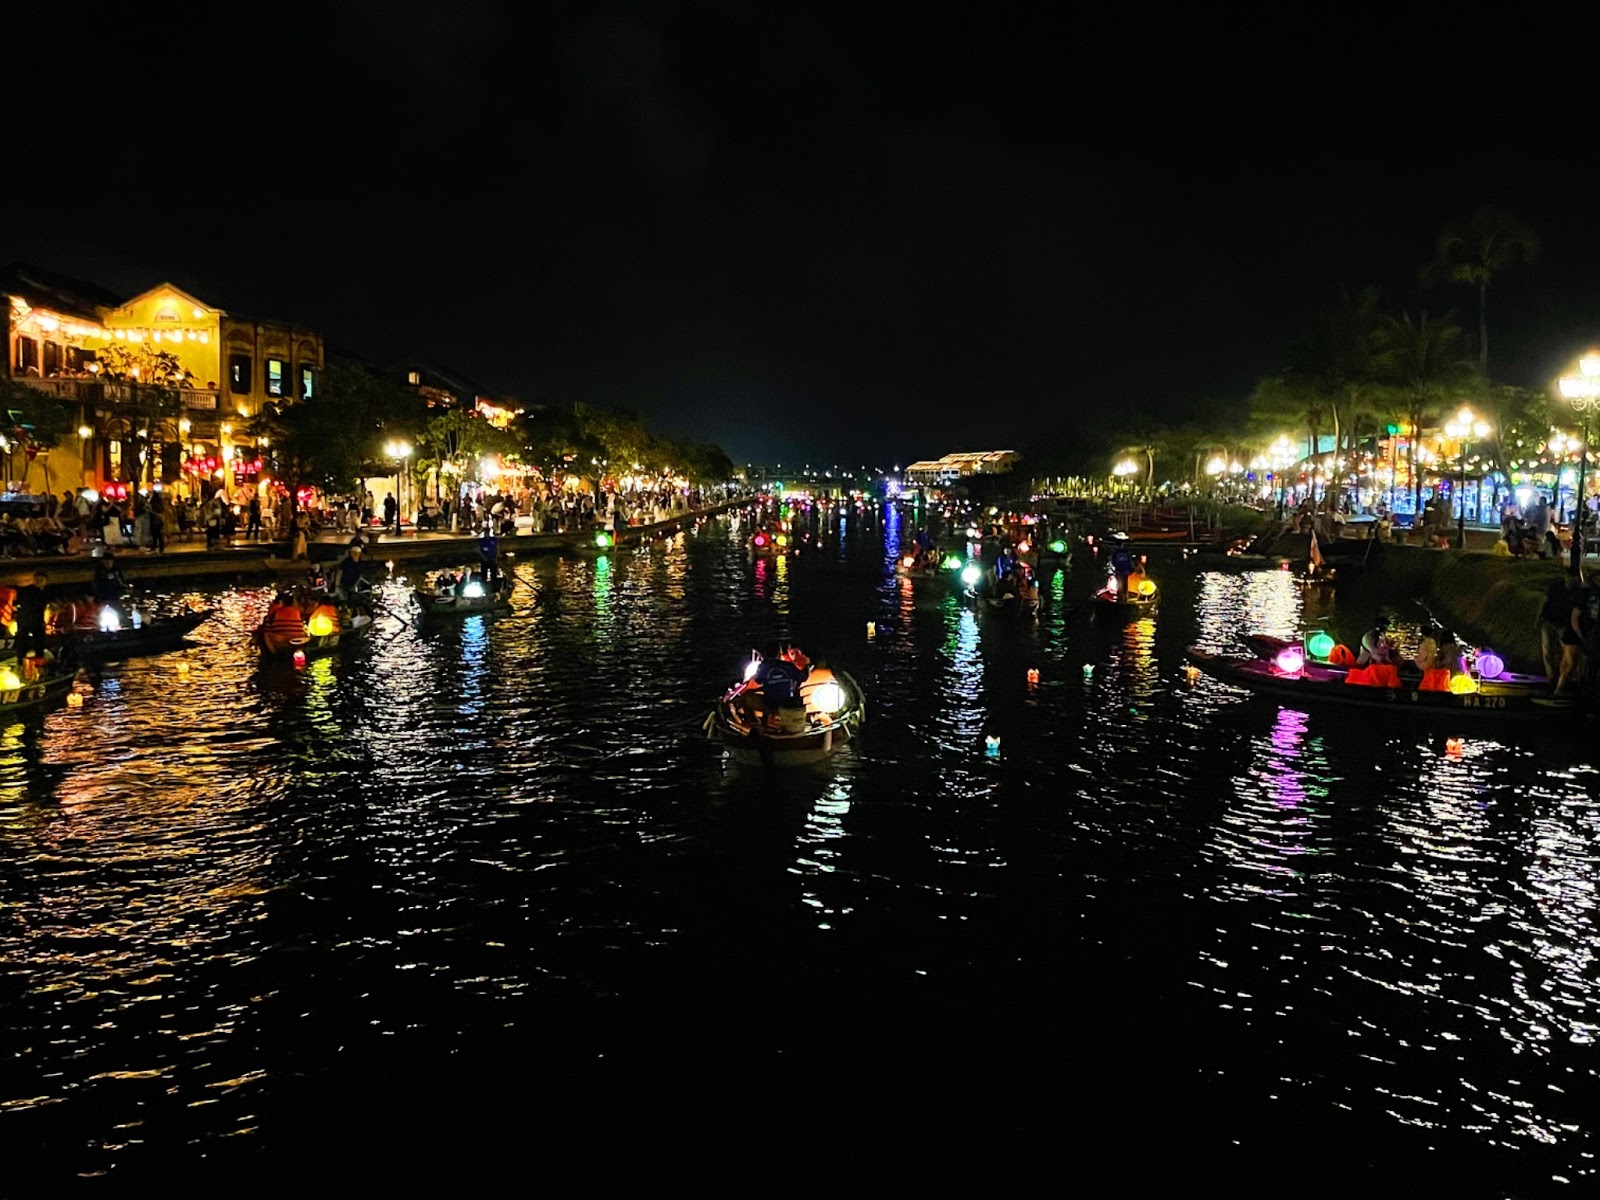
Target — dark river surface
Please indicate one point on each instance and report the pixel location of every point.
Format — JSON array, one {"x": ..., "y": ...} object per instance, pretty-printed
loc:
[{"x": 481, "y": 895}]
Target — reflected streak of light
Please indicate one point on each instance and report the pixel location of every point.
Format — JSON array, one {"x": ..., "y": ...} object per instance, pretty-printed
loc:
[{"x": 825, "y": 825}]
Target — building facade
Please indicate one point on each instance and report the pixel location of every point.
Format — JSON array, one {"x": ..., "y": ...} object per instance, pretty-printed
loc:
[
  {"x": 162, "y": 385},
  {"x": 952, "y": 468}
]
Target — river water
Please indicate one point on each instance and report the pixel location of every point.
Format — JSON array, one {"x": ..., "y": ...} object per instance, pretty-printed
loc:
[{"x": 482, "y": 894}]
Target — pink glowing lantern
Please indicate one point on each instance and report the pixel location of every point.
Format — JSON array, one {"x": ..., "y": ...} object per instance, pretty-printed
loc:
[
  {"x": 299, "y": 658},
  {"x": 1490, "y": 665},
  {"x": 1291, "y": 660}
]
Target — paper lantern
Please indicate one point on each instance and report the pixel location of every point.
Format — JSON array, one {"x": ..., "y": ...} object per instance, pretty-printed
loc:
[
  {"x": 872, "y": 629},
  {"x": 970, "y": 574},
  {"x": 952, "y": 563},
  {"x": 908, "y": 562},
  {"x": 299, "y": 658},
  {"x": 1462, "y": 685},
  {"x": 828, "y": 697},
  {"x": 991, "y": 746},
  {"x": 320, "y": 625},
  {"x": 1147, "y": 587},
  {"x": 602, "y": 539},
  {"x": 1320, "y": 644},
  {"x": 1088, "y": 671},
  {"x": 473, "y": 590},
  {"x": 1024, "y": 546},
  {"x": 9, "y": 682},
  {"x": 1058, "y": 547},
  {"x": 1291, "y": 660},
  {"x": 761, "y": 539},
  {"x": 1490, "y": 664},
  {"x": 74, "y": 699},
  {"x": 1033, "y": 676}
]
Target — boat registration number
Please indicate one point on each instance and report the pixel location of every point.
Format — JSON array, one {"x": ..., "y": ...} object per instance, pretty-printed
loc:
[{"x": 1466, "y": 701}]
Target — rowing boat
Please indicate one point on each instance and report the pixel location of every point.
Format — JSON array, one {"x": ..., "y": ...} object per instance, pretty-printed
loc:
[{"x": 834, "y": 708}]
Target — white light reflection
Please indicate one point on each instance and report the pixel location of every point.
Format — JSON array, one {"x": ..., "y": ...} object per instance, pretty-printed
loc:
[{"x": 819, "y": 850}]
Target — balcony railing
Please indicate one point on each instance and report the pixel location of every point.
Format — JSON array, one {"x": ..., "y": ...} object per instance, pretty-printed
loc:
[{"x": 103, "y": 391}]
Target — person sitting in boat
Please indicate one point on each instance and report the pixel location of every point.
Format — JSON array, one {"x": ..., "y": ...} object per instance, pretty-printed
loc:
[
  {"x": 284, "y": 624},
  {"x": 1135, "y": 580},
  {"x": 1122, "y": 563},
  {"x": 1378, "y": 663},
  {"x": 348, "y": 573},
  {"x": 1027, "y": 587},
  {"x": 779, "y": 681}
]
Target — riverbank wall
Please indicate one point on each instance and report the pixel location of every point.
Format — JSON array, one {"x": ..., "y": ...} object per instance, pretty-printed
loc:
[{"x": 261, "y": 561}]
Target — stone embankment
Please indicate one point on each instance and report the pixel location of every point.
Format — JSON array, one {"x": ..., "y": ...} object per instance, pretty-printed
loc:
[{"x": 265, "y": 560}]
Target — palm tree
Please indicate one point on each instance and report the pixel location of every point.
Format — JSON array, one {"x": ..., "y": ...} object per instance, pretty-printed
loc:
[
  {"x": 1474, "y": 252},
  {"x": 1426, "y": 365}
]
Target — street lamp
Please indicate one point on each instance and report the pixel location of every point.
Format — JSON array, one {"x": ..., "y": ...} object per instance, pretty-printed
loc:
[
  {"x": 1582, "y": 391},
  {"x": 1464, "y": 424},
  {"x": 1283, "y": 456},
  {"x": 399, "y": 451}
]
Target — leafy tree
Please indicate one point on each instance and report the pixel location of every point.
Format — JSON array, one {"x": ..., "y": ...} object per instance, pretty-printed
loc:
[
  {"x": 335, "y": 438},
  {"x": 148, "y": 401},
  {"x": 1427, "y": 366},
  {"x": 32, "y": 419},
  {"x": 1473, "y": 252},
  {"x": 460, "y": 435}
]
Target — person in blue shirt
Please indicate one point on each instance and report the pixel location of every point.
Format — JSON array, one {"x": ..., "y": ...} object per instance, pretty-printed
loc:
[
  {"x": 1122, "y": 562},
  {"x": 488, "y": 554},
  {"x": 349, "y": 572}
]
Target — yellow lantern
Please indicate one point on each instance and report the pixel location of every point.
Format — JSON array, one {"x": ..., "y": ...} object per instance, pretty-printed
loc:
[
  {"x": 1461, "y": 685},
  {"x": 1147, "y": 587},
  {"x": 9, "y": 682},
  {"x": 320, "y": 625}
]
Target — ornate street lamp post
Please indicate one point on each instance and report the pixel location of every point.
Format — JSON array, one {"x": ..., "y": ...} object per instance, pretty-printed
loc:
[
  {"x": 1582, "y": 391},
  {"x": 1464, "y": 425}
]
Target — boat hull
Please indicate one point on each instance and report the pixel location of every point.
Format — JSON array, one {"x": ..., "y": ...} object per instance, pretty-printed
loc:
[
  {"x": 1323, "y": 685},
  {"x": 350, "y": 632},
  {"x": 433, "y": 605},
  {"x": 153, "y": 637},
  {"x": 752, "y": 745}
]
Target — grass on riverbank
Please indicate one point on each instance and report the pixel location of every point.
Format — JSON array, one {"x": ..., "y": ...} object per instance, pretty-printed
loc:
[{"x": 1494, "y": 600}]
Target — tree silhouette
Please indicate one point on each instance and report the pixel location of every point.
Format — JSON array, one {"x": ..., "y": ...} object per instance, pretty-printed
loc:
[{"x": 1473, "y": 252}]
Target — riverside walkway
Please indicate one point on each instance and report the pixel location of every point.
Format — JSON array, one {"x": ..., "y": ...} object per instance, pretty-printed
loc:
[{"x": 242, "y": 558}]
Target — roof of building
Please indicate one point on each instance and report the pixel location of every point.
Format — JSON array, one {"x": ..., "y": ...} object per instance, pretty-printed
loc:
[
  {"x": 70, "y": 297},
  {"x": 969, "y": 459},
  {"x": 460, "y": 385}
]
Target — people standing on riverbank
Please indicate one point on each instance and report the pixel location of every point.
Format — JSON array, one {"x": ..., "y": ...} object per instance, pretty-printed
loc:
[
  {"x": 391, "y": 513},
  {"x": 299, "y": 550},
  {"x": 253, "y": 529}
]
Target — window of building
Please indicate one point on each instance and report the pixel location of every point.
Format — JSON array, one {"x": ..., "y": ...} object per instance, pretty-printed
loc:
[
  {"x": 239, "y": 374},
  {"x": 308, "y": 382},
  {"x": 414, "y": 378},
  {"x": 27, "y": 356},
  {"x": 52, "y": 358},
  {"x": 276, "y": 371}
]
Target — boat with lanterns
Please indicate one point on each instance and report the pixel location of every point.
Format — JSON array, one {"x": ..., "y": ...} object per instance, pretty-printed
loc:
[
  {"x": 1320, "y": 649},
  {"x": 1129, "y": 598},
  {"x": 822, "y": 713},
  {"x": 102, "y": 631},
  {"x": 456, "y": 594},
  {"x": 1289, "y": 674},
  {"x": 290, "y": 633},
  {"x": 36, "y": 685},
  {"x": 772, "y": 541}
]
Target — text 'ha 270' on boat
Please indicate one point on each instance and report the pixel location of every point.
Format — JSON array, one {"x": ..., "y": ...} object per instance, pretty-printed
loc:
[{"x": 787, "y": 713}]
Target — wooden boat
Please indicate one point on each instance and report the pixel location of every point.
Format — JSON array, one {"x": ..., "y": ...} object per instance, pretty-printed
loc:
[
  {"x": 352, "y": 627},
  {"x": 474, "y": 597},
  {"x": 152, "y": 635},
  {"x": 35, "y": 695},
  {"x": 835, "y": 708},
  {"x": 1116, "y": 602},
  {"x": 1314, "y": 682},
  {"x": 1265, "y": 646},
  {"x": 1158, "y": 535}
]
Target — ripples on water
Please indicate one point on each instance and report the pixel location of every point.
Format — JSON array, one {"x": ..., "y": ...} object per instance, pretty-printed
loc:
[{"x": 492, "y": 864}]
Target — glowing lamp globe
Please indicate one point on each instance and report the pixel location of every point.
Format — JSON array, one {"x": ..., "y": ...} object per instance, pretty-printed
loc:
[
  {"x": 970, "y": 574},
  {"x": 109, "y": 621},
  {"x": 1033, "y": 676},
  {"x": 781, "y": 540},
  {"x": 991, "y": 746},
  {"x": 74, "y": 699},
  {"x": 828, "y": 697},
  {"x": 299, "y": 658},
  {"x": 953, "y": 563},
  {"x": 603, "y": 540},
  {"x": 1024, "y": 546},
  {"x": 908, "y": 562},
  {"x": 761, "y": 539},
  {"x": 1462, "y": 685},
  {"x": 1147, "y": 588},
  {"x": 319, "y": 625},
  {"x": 9, "y": 682},
  {"x": 1320, "y": 645},
  {"x": 473, "y": 590},
  {"x": 1490, "y": 664},
  {"x": 1291, "y": 660},
  {"x": 1058, "y": 547}
]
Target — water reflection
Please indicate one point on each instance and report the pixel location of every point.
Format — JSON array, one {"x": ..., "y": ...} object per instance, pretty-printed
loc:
[{"x": 222, "y": 882}]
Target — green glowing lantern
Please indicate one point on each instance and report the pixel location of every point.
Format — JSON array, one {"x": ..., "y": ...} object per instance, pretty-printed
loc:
[
  {"x": 953, "y": 563},
  {"x": 1320, "y": 645},
  {"x": 603, "y": 540},
  {"x": 1058, "y": 547}
]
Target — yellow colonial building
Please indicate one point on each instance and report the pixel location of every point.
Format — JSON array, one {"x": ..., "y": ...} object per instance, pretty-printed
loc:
[{"x": 97, "y": 355}]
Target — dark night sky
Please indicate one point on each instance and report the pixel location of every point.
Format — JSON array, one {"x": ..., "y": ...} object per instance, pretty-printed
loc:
[{"x": 864, "y": 233}]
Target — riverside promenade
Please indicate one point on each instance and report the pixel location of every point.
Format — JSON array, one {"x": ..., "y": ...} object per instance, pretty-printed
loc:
[{"x": 249, "y": 559}]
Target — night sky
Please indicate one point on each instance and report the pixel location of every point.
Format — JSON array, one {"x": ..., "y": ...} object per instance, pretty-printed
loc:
[{"x": 854, "y": 234}]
